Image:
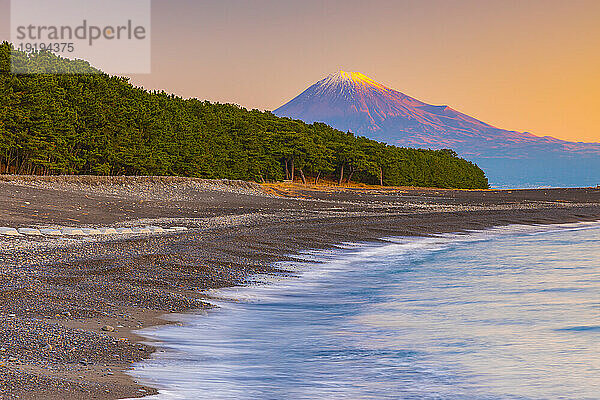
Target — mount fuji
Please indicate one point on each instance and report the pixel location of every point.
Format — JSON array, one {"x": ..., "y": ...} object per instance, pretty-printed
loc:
[{"x": 351, "y": 101}]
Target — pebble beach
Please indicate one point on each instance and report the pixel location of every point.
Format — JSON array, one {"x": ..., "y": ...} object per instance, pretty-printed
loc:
[{"x": 87, "y": 261}]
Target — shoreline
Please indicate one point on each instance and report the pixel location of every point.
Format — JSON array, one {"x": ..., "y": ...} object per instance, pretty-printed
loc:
[
  {"x": 235, "y": 231},
  {"x": 306, "y": 270}
]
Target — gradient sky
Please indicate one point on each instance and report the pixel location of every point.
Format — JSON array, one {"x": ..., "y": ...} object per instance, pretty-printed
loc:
[{"x": 520, "y": 65}]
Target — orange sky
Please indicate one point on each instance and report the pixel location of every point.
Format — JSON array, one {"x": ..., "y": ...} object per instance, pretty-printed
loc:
[{"x": 521, "y": 65}]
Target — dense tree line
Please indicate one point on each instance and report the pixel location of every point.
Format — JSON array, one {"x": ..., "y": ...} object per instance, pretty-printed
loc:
[{"x": 93, "y": 123}]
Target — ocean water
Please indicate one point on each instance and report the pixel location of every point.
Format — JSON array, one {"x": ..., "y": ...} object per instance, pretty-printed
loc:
[{"x": 507, "y": 313}]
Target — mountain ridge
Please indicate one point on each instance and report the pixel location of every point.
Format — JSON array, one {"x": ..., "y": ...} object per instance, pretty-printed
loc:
[{"x": 352, "y": 101}]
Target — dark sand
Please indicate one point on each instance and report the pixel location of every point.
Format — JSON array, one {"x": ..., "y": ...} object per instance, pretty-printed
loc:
[{"x": 57, "y": 294}]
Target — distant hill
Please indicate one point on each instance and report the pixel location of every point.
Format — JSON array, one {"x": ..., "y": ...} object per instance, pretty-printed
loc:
[
  {"x": 87, "y": 122},
  {"x": 351, "y": 101}
]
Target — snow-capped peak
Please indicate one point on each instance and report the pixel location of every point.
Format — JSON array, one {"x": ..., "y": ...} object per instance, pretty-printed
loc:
[
  {"x": 347, "y": 79},
  {"x": 353, "y": 101}
]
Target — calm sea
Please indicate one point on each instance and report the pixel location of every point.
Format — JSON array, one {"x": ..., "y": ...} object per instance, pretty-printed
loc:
[{"x": 507, "y": 313}]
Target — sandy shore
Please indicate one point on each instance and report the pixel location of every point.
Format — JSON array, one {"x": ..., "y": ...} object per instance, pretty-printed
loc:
[{"x": 56, "y": 294}]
